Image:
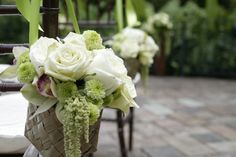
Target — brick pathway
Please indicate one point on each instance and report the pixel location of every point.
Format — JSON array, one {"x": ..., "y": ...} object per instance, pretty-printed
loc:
[{"x": 180, "y": 117}]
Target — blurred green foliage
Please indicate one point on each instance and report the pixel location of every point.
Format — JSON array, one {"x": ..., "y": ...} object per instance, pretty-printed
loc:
[
  {"x": 13, "y": 29},
  {"x": 204, "y": 39}
]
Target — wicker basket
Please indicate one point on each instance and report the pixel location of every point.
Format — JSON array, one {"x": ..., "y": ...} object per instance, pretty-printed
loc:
[{"x": 45, "y": 132}]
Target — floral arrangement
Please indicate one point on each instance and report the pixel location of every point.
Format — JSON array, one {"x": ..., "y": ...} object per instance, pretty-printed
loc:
[
  {"x": 159, "y": 26},
  {"x": 78, "y": 76},
  {"x": 158, "y": 22},
  {"x": 132, "y": 43}
]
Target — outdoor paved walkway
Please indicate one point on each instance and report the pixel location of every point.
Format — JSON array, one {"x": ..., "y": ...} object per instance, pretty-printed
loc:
[{"x": 180, "y": 117}]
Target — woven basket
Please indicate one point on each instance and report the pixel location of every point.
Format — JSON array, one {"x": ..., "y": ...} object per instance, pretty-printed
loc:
[{"x": 45, "y": 132}]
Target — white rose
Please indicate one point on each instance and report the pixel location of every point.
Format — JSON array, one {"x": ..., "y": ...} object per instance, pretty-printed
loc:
[
  {"x": 76, "y": 39},
  {"x": 149, "y": 45},
  {"x": 68, "y": 62},
  {"x": 108, "y": 68},
  {"x": 129, "y": 49},
  {"x": 134, "y": 34},
  {"x": 40, "y": 50}
]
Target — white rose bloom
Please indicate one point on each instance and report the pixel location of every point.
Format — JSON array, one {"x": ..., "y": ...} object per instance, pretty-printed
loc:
[
  {"x": 40, "y": 50},
  {"x": 68, "y": 62},
  {"x": 134, "y": 34},
  {"x": 149, "y": 45},
  {"x": 148, "y": 51},
  {"x": 113, "y": 76},
  {"x": 129, "y": 49},
  {"x": 76, "y": 39},
  {"x": 108, "y": 68}
]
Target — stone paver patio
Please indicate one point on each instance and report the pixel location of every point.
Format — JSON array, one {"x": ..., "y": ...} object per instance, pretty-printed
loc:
[{"x": 180, "y": 117}]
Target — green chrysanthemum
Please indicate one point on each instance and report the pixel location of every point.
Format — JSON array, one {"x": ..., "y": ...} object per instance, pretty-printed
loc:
[
  {"x": 94, "y": 89},
  {"x": 65, "y": 90},
  {"x": 26, "y": 72},
  {"x": 94, "y": 113},
  {"x": 93, "y": 40},
  {"x": 23, "y": 58},
  {"x": 99, "y": 103}
]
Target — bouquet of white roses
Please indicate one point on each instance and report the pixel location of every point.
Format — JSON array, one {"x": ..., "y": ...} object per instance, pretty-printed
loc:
[
  {"x": 78, "y": 77},
  {"x": 135, "y": 44}
]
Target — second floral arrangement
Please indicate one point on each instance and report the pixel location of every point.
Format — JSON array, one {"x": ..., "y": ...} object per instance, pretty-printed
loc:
[{"x": 134, "y": 45}]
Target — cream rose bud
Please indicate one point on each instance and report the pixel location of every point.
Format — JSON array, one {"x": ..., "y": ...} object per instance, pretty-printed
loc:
[
  {"x": 40, "y": 50},
  {"x": 107, "y": 68},
  {"x": 68, "y": 62}
]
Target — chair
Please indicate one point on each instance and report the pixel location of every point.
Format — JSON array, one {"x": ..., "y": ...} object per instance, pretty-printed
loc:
[
  {"x": 50, "y": 26},
  {"x": 49, "y": 11}
]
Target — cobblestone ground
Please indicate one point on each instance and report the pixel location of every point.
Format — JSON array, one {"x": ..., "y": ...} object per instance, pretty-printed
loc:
[{"x": 180, "y": 117}]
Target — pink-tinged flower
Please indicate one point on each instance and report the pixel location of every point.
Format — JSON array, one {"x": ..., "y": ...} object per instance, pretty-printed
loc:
[{"x": 45, "y": 86}]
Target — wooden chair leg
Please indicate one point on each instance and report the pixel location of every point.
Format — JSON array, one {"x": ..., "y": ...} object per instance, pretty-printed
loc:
[
  {"x": 131, "y": 128},
  {"x": 120, "y": 125}
]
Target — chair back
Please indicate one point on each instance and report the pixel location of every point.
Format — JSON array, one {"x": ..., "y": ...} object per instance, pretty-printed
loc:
[
  {"x": 49, "y": 11},
  {"x": 93, "y": 14}
]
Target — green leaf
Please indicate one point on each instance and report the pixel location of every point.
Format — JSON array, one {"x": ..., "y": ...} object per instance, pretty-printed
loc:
[
  {"x": 72, "y": 15},
  {"x": 119, "y": 14},
  {"x": 131, "y": 15},
  {"x": 34, "y": 21},
  {"x": 32, "y": 95},
  {"x": 59, "y": 112},
  {"x": 44, "y": 107},
  {"x": 140, "y": 8},
  {"x": 23, "y": 6},
  {"x": 121, "y": 103},
  {"x": 9, "y": 72}
]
